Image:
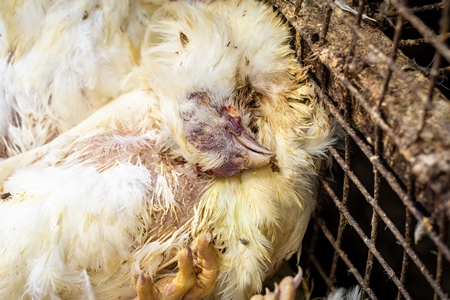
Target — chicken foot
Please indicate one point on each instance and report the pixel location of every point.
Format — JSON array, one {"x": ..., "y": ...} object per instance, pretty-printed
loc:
[
  {"x": 187, "y": 284},
  {"x": 285, "y": 290}
]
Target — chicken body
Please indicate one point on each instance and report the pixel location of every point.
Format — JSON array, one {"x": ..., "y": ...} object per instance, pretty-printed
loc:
[
  {"x": 59, "y": 62},
  {"x": 146, "y": 175}
]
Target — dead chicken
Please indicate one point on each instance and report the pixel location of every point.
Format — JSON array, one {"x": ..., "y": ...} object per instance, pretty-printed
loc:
[{"x": 209, "y": 158}]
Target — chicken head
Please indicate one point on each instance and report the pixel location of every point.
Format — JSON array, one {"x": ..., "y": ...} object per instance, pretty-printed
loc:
[{"x": 218, "y": 134}]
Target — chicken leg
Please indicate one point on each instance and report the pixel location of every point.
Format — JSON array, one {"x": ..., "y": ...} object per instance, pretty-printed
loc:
[{"x": 187, "y": 284}]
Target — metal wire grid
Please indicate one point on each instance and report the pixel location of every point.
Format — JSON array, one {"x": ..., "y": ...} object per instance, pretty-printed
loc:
[{"x": 404, "y": 185}]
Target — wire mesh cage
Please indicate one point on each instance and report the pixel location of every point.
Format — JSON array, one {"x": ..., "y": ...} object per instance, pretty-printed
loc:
[
  {"x": 381, "y": 67},
  {"x": 382, "y": 71}
]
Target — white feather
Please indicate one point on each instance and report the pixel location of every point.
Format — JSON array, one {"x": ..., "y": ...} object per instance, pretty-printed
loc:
[
  {"x": 104, "y": 197},
  {"x": 64, "y": 60},
  {"x": 343, "y": 294}
]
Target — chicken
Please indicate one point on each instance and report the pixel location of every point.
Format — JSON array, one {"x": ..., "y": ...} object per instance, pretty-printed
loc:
[
  {"x": 209, "y": 156},
  {"x": 286, "y": 290},
  {"x": 59, "y": 62}
]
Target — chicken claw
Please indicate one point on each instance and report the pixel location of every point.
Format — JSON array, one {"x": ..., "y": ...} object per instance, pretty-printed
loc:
[
  {"x": 208, "y": 261},
  {"x": 187, "y": 284},
  {"x": 285, "y": 290},
  {"x": 170, "y": 288}
]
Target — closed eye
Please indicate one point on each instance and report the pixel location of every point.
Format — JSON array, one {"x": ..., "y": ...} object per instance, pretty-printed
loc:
[{"x": 203, "y": 134}]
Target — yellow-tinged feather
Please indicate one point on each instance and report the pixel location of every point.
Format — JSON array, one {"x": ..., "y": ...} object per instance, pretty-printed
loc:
[{"x": 118, "y": 194}]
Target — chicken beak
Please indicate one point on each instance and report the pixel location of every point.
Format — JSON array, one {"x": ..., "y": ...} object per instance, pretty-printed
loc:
[{"x": 255, "y": 155}]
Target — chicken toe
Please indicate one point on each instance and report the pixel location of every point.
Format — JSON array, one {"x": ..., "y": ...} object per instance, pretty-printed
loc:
[
  {"x": 285, "y": 290},
  {"x": 169, "y": 288},
  {"x": 144, "y": 288},
  {"x": 208, "y": 261},
  {"x": 187, "y": 284}
]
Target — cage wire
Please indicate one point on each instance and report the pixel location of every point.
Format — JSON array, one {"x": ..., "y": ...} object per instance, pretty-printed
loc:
[{"x": 383, "y": 222}]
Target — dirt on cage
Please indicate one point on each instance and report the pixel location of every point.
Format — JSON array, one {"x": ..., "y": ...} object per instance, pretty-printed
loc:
[{"x": 385, "y": 81}]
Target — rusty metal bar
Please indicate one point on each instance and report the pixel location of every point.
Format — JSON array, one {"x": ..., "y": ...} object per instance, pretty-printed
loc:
[
  {"x": 439, "y": 260},
  {"x": 326, "y": 24},
  {"x": 391, "y": 227},
  {"x": 374, "y": 114},
  {"x": 343, "y": 210},
  {"x": 376, "y": 198},
  {"x": 361, "y": 6},
  {"x": 373, "y": 234},
  {"x": 408, "y": 224},
  {"x": 342, "y": 254},
  {"x": 342, "y": 221},
  {"x": 377, "y": 146},
  {"x": 441, "y": 70},
  {"x": 351, "y": 49},
  {"x": 310, "y": 250},
  {"x": 392, "y": 181},
  {"x": 434, "y": 73},
  {"x": 312, "y": 243},
  {"x": 387, "y": 78},
  {"x": 416, "y": 9},
  {"x": 341, "y": 228},
  {"x": 435, "y": 6},
  {"x": 316, "y": 263},
  {"x": 422, "y": 29},
  {"x": 345, "y": 189},
  {"x": 405, "y": 259},
  {"x": 416, "y": 42}
]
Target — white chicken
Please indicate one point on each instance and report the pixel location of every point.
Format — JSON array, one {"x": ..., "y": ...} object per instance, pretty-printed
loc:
[
  {"x": 216, "y": 140},
  {"x": 286, "y": 290},
  {"x": 59, "y": 62}
]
